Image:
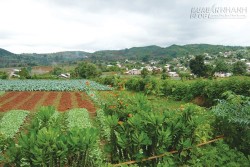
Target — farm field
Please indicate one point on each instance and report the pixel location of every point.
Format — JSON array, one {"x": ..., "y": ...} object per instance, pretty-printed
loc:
[
  {"x": 50, "y": 85},
  {"x": 127, "y": 127},
  {"x": 32, "y": 100}
]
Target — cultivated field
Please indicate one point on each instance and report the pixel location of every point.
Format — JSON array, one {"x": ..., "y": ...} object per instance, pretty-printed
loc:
[{"x": 31, "y": 101}]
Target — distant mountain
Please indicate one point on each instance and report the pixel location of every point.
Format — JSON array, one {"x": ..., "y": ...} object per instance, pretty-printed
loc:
[
  {"x": 8, "y": 59},
  {"x": 5, "y": 53}
]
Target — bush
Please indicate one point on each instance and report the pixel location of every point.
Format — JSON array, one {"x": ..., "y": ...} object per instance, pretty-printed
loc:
[
  {"x": 233, "y": 120},
  {"x": 3, "y": 75},
  {"x": 136, "y": 131}
]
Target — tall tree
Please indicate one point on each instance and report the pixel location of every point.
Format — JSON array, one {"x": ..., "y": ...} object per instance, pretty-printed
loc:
[
  {"x": 239, "y": 68},
  {"x": 87, "y": 70},
  {"x": 198, "y": 66},
  {"x": 24, "y": 73},
  {"x": 144, "y": 73},
  {"x": 221, "y": 66},
  {"x": 57, "y": 71}
]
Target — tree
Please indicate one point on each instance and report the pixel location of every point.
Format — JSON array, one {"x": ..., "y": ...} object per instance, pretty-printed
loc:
[
  {"x": 198, "y": 66},
  {"x": 3, "y": 75},
  {"x": 221, "y": 66},
  {"x": 24, "y": 73},
  {"x": 87, "y": 70},
  {"x": 239, "y": 68},
  {"x": 57, "y": 71},
  {"x": 145, "y": 58},
  {"x": 184, "y": 75},
  {"x": 164, "y": 74},
  {"x": 144, "y": 72}
]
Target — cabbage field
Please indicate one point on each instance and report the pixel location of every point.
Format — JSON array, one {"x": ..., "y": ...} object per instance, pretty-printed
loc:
[{"x": 50, "y": 85}]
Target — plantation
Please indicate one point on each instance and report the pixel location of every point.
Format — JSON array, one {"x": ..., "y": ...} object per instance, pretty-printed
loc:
[{"x": 145, "y": 128}]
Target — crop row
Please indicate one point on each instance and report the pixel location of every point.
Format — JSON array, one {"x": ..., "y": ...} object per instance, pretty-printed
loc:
[
  {"x": 78, "y": 118},
  {"x": 56, "y": 139},
  {"x": 11, "y": 122},
  {"x": 50, "y": 85}
]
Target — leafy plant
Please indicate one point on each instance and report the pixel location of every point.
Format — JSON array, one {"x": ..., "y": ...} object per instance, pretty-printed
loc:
[
  {"x": 233, "y": 120},
  {"x": 11, "y": 122}
]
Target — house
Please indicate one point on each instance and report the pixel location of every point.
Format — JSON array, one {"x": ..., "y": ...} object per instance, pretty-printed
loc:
[
  {"x": 157, "y": 69},
  {"x": 173, "y": 74},
  {"x": 167, "y": 67},
  {"x": 182, "y": 68},
  {"x": 152, "y": 62},
  {"x": 133, "y": 72},
  {"x": 66, "y": 75},
  {"x": 15, "y": 73},
  {"x": 222, "y": 74},
  {"x": 119, "y": 65},
  {"x": 149, "y": 68}
]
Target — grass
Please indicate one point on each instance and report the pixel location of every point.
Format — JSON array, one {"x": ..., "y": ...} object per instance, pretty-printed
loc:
[{"x": 164, "y": 103}]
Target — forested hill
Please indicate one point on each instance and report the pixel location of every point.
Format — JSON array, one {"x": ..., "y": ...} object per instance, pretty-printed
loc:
[
  {"x": 156, "y": 52},
  {"x": 8, "y": 59}
]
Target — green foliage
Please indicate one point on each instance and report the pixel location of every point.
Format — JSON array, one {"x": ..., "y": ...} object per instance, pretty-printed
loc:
[
  {"x": 148, "y": 85},
  {"x": 112, "y": 81},
  {"x": 208, "y": 89},
  {"x": 11, "y": 122},
  {"x": 57, "y": 71},
  {"x": 24, "y": 73},
  {"x": 136, "y": 53},
  {"x": 78, "y": 118},
  {"x": 144, "y": 73},
  {"x": 233, "y": 120},
  {"x": 239, "y": 68},
  {"x": 87, "y": 70},
  {"x": 3, "y": 75},
  {"x": 135, "y": 84},
  {"x": 197, "y": 66},
  {"x": 53, "y": 141},
  {"x": 221, "y": 66},
  {"x": 218, "y": 154},
  {"x": 136, "y": 131}
]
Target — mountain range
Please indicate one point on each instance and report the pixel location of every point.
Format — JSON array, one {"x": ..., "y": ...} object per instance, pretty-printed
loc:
[{"x": 8, "y": 59}]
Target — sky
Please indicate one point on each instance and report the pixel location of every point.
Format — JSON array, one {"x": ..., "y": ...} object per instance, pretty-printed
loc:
[{"x": 45, "y": 26}]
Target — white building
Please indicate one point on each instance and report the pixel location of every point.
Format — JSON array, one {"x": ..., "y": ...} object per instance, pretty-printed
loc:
[
  {"x": 222, "y": 74},
  {"x": 133, "y": 72},
  {"x": 173, "y": 74}
]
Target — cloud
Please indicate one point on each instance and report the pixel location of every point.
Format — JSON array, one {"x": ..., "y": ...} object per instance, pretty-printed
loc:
[{"x": 57, "y": 25}]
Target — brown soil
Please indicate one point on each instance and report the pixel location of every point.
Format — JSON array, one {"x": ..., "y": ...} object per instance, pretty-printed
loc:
[{"x": 62, "y": 101}]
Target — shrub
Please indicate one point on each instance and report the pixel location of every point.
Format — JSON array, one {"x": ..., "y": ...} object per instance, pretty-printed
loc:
[{"x": 233, "y": 120}]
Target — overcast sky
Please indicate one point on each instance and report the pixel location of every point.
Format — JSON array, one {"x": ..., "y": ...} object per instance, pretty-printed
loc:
[{"x": 42, "y": 26}]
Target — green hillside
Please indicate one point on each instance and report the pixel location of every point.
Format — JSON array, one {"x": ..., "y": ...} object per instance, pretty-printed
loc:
[
  {"x": 156, "y": 52},
  {"x": 9, "y": 59}
]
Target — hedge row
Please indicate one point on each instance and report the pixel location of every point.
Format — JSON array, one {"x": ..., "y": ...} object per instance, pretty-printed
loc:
[{"x": 188, "y": 90}]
